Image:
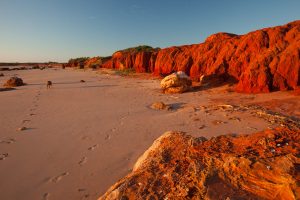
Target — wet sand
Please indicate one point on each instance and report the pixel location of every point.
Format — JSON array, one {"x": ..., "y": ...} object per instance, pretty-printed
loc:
[{"x": 80, "y": 138}]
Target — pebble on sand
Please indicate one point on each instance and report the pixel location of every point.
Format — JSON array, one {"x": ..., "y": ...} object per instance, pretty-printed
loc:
[{"x": 21, "y": 128}]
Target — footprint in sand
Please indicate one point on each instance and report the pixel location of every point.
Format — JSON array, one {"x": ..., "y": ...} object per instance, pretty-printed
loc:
[
  {"x": 92, "y": 148},
  {"x": 46, "y": 196},
  {"x": 3, "y": 156},
  {"x": 25, "y": 120},
  {"x": 107, "y": 137},
  {"x": 7, "y": 141},
  {"x": 84, "y": 192},
  {"x": 59, "y": 177},
  {"x": 82, "y": 161}
]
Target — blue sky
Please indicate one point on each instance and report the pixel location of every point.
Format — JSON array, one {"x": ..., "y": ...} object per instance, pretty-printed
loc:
[{"x": 56, "y": 30}]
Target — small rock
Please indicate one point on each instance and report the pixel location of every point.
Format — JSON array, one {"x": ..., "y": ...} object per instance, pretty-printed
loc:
[
  {"x": 1, "y": 74},
  {"x": 160, "y": 106},
  {"x": 82, "y": 81},
  {"x": 273, "y": 150},
  {"x": 202, "y": 127},
  {"x": 22, "y": 128},
  {"x": 216, "y": 122}
]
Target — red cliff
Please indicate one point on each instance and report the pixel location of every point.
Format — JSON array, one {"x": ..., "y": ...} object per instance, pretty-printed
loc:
[{"x": 261, "y": 61}]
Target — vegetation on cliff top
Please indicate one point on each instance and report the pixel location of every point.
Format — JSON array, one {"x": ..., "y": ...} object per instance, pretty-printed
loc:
[{"x": 140, "y": 48}]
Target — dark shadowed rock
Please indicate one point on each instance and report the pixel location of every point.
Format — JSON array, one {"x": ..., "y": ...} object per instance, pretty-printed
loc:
[{"x": 14, "y": 82}]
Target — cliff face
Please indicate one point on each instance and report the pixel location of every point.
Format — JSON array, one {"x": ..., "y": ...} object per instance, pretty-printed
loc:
[
  {"x": 264, "y": 165},
  {"x": 261, "y": 61},
  {"x": 142, "y": 61}
]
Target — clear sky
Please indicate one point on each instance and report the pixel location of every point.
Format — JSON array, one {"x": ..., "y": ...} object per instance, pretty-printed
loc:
[{"x": 56, "y": 30}]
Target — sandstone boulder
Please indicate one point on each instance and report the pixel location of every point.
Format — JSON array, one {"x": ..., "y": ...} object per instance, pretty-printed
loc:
[
  {"x": 177, "y": 82},
  {"x": 160, "y": 106},
  {"x": 14, "y": 82},
  {"x": 263, "y": 165}
]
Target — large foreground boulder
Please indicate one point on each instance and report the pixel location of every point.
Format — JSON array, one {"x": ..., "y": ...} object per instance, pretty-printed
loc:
[
  {"x": 14, "y": 82},
  {"x": 177, "y": 82},
  {"x": 263, "y": 165}
]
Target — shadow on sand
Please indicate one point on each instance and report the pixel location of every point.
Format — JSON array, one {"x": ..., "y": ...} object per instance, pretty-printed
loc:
[{"x": 6, "y": 89}]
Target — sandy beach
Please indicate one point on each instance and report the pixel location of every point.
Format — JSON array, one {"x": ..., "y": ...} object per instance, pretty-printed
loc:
[{"x": 81, "y": 137}]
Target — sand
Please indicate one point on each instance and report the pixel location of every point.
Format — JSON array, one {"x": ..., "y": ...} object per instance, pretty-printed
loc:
[{"x": 81, "y": 137}]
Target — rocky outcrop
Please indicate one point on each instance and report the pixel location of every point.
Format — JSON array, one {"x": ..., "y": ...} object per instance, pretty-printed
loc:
[
  {"x": 14, "y": 82},
  {"x": 141, "y": 59},
  {"x": 177, "y": 82},
  {"x": 86, "y": 62},
  {"x": 265, "y": 165},
  {"x": 260, "y": 61}
]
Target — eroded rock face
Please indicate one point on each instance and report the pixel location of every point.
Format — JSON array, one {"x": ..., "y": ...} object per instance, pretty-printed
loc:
[
  {"x": 264, "y": 165},
  {"x": 260, "y": 61},
  {"x": 14, "y": 82},
  {"x": 139, "y": 60},
  {"x": 177, "y": 82}
]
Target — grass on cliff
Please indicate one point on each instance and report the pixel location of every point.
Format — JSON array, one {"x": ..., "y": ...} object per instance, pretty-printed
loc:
[
  {"x": 140, "y": 48},
  {"x": 124, "y": 72}
]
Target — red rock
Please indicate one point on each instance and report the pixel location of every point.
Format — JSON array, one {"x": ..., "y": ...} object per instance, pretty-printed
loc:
[
  {"x": 260, "y": 61},
  {"x": 14, "y": 82},
  {"x": 263, "y": 165},
  {"x": 141, "y": 59}
]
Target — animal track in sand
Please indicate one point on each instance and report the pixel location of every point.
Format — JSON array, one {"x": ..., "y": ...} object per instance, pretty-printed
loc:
[
  {"x": 7, "y": 141},
  {"x": 3, "y": 156},
  {"x": 82, "y": 161},
  {"x": 93, "y": 147},
  {"x": 59, "y": 177}
]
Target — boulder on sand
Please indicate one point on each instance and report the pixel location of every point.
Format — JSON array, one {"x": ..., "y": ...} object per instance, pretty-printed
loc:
[
  {"x": 14, "y": 82},
  {"x": 262, "y": 165},
  {"x": 160, "y": 106},
  {"x": 177, "y": 82}
]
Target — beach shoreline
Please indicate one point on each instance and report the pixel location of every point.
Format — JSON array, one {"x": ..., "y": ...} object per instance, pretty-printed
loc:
[{"x": 81, "y": 137}]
